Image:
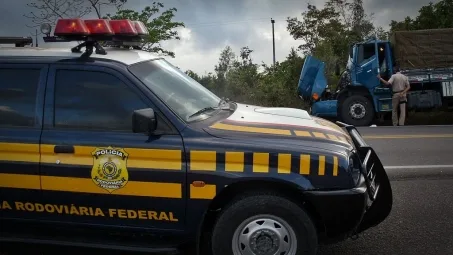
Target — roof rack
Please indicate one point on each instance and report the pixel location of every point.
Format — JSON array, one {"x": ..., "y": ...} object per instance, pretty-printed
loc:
[
  {"x": 93, "y": 34},
  {"x": 18, "y": 41}
]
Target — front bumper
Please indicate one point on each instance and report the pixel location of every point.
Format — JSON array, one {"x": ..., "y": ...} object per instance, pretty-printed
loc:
[{"x": 345, "y": 213}]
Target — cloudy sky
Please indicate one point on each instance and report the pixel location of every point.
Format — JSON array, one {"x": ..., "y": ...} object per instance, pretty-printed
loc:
[{"x": 213, "y": 24}]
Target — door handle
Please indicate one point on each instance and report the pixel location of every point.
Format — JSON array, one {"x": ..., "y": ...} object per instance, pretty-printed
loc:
[{"x": 63, "y": 149}]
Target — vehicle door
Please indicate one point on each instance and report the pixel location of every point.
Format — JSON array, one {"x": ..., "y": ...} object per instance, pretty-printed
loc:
[
  {"x": 95, "y": 169},
  {"x": 21, "y": 111},
  {"x": 367, "y": 65}
]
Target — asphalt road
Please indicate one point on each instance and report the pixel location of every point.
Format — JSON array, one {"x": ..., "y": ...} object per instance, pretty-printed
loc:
[{"x": 419, "y": 161}]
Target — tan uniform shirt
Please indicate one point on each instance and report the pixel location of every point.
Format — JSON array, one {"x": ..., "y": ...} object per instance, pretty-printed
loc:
[{"x": 399, "y": 82}]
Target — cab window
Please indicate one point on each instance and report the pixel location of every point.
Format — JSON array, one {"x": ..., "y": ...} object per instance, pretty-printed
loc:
[
  {"x": 365, "y": 52},
  {"x": 18, "y": 91},
  {"x": 93, "y": 100}
]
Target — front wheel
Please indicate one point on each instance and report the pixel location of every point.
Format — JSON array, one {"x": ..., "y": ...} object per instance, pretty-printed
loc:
[
  {"x": 357, "y": 110},
  {"x": 264, "y": 224}
]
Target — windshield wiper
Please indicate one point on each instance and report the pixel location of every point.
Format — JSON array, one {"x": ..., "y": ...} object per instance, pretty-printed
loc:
[
  {"x": 225, "y": 102},
  {"x": 210, "y": 108},
  {"x": 222, "y": 101}
]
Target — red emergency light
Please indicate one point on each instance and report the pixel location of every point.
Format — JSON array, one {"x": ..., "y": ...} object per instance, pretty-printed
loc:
[
  {"x": 68, "y": 27},
  {"x": 140, "y": 27},
  {"x": 114, "y": 33},
  {"x": 123, "y": 27},
  {"x": 99, "y": 27}
]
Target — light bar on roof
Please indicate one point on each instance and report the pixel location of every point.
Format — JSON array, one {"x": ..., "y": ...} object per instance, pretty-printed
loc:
[{"x": 99, "y": 27}]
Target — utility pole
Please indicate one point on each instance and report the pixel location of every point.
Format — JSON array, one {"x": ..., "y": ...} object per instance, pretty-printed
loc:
[
  {"x": 36, "y": 37},
  {"x": 273, "y": 38}
]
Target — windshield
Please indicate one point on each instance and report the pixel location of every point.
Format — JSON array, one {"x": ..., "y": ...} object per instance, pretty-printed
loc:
[{"x": 177, "y": 90}]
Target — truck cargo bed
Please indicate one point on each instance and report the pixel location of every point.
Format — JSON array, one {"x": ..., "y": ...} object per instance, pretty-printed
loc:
[
  {"x": 424, "y": 99},
  {"x": 428, "y": 75},
  {"x": 423, "y": 49}
]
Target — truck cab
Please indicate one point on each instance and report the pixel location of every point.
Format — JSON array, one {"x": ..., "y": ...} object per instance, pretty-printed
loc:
[{"x": 358, "y": 95}]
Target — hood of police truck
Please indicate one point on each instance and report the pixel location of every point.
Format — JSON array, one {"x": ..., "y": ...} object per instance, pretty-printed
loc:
[
  {"x": 312, "y": 80},
  {"x": 293, "y": 125}
]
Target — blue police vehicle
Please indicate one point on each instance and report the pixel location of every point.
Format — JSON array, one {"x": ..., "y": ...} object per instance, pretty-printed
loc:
[{"x": 108, "y": 146}]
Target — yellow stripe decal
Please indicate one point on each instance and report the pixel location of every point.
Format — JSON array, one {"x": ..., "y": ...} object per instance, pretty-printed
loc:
[
  {"x": 20, "y": 181},
  {"x": 132, "y": 188},
  {"x": 284, "y": 163},
  {"x": 275, "y": 131},
  {"x": 260, "y": 162},
  {"x": 205, "y": 192},
  {"x": 302, "y": 133},
  {"x": 138, "y": 158},
  {"x": 343, "y": 139},
  {"x": 203, "y": 160},
  {"x": 305, "y": 164},
  {"x": 251, "y": 129},
  {"x": 319, "y": 135},
  {"x": 22, "y": 152},
  {"x": 335, "y": 166},
  {"x": 333, "y": 137},
  {"x": 234, "y": 161},
  {"x": 322, "y": 165}
]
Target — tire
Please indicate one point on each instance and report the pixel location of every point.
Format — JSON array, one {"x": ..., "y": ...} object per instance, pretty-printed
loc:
[
  {"x": 276, "y": 211},
  {"x": 362, "y": 108}
]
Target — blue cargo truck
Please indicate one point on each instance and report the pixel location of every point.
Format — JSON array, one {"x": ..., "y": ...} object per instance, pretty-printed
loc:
[{"x": 425, "y": 56}]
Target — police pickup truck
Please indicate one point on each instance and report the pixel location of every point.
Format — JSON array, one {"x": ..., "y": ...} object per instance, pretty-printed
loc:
[{"x": 109, "y": 146}]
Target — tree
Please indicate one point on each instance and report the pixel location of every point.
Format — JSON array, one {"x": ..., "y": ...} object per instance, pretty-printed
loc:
[
  {"x": 225, "y": 61},
  {"x": 193, "y": 75},
  {"x": 430, "y": 16},
  {"x": 314, "y": 26},
  {"x": 161, "y": 28},
  {"x": 48, "y": 11},
  {"x": 339, "y": 23},
  {"x": 245, "y": 55},
  {"x": 328, "y": 32}
]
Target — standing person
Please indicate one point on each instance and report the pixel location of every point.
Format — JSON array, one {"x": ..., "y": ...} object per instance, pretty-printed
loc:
[{"x": 400, "y": 86}]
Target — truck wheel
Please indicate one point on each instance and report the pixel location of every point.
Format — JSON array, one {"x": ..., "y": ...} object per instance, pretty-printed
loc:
[
  {"x": 357, "y": 110},
  {"x": 264, "y": 224}
]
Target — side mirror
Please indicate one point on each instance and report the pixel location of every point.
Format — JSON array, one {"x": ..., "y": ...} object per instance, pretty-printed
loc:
[
  {"x": 144, "y": 121},
  {"x": 337, "y": 69}
]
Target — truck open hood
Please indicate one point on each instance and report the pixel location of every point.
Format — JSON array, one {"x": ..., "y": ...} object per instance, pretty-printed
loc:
[
  {"x": 312, "y": 79},
  {"x": 282, "y": 122}
]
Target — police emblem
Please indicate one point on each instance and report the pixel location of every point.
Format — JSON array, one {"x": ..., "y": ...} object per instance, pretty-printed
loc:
[{"x": 110, "y": 168}]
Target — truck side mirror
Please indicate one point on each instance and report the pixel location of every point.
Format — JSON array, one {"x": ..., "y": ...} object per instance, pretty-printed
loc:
[
  {"x": 144, "y": 121},
  {"x": 337, "y": 69}
]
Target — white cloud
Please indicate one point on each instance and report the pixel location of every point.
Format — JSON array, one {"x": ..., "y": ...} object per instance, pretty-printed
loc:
[
  {"x": 189, "y": 56},
  {"x": 257, "y": 35}
]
